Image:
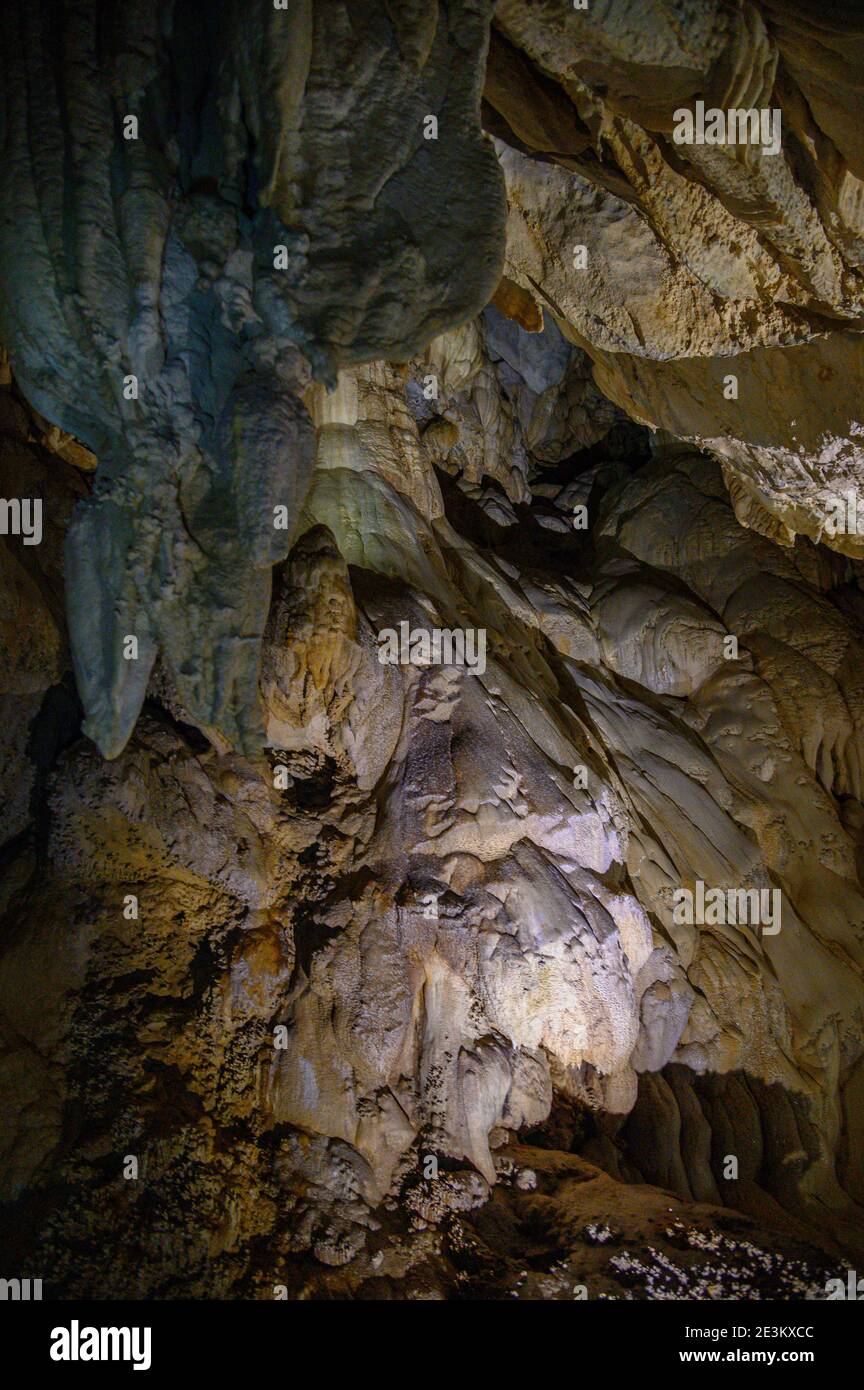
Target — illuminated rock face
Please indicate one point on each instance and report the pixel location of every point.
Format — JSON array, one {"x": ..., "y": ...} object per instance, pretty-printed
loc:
[
  {"x": 367, "y": 956},
  {"x": 705, "y": 261}
]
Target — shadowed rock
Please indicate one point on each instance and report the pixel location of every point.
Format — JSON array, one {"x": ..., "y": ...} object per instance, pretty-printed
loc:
[{"x": 278, "y": 212}]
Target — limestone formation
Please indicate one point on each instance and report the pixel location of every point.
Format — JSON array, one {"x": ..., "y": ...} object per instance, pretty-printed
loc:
[
  {"x": 461, "y": 892},
  {"x": 702, "y": 261},
  {"x": 202, "y": 206}
]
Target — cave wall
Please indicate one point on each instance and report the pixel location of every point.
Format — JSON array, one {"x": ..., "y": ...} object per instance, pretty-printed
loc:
[
  {"x": 703, "y": 260},
  {"x": 281, "y": 920}
]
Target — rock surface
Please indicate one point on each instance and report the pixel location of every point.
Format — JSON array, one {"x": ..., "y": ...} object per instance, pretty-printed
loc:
[
  {"x": 208, "y": 206},
  {"x": 347, "y": 977},
  {"x": 703, "y": 261}
]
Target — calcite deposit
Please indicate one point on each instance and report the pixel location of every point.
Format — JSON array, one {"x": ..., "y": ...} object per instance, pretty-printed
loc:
[{"x": 325, "y": 974}]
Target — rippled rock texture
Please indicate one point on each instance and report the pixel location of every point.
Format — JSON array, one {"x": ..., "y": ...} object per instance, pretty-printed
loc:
[
  {"x": 202, "y": 204},
  {"x": 326, "y": 975}
]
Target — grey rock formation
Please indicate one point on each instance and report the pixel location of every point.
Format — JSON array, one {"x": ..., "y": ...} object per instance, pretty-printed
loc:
[{"x": 202, "y": 205}]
